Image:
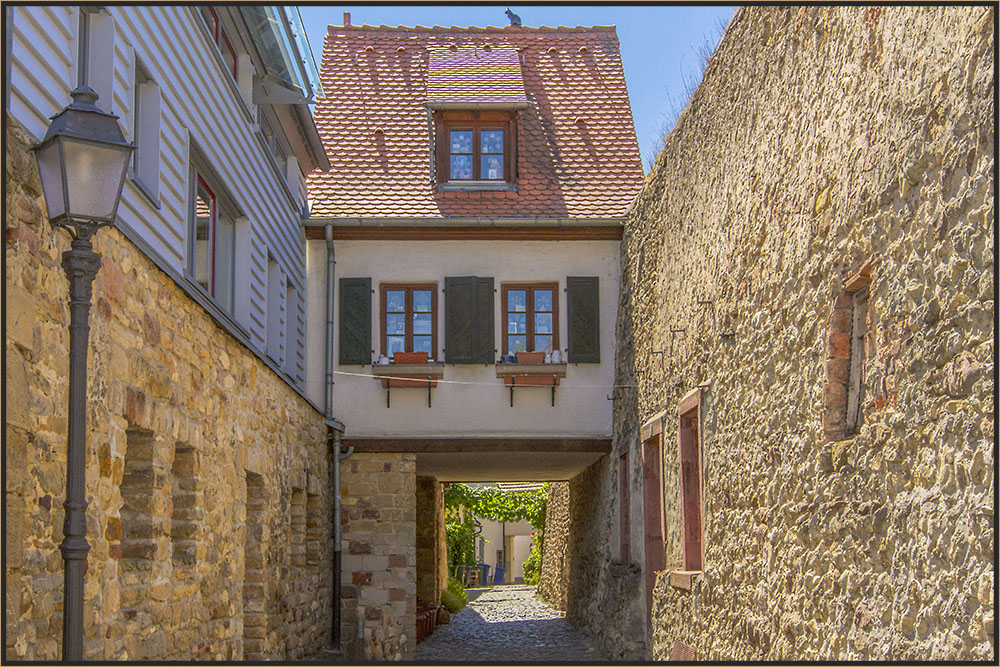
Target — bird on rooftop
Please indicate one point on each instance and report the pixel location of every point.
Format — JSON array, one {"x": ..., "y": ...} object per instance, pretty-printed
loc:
[{"x": 514, "y": 18}]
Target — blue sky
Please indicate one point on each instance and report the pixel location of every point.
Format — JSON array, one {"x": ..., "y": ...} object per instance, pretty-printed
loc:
[{"x": 663, "y": 48}]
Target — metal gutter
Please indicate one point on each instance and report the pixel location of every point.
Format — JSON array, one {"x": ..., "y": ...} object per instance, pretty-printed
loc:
[{"x": 463, "y": 222}]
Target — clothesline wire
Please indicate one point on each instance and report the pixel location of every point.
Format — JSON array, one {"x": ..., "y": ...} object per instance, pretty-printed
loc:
[{"x": 481, "y": 384}]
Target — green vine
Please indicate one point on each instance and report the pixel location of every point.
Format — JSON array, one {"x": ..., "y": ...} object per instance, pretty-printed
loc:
[{"x": 462, "y": 503}]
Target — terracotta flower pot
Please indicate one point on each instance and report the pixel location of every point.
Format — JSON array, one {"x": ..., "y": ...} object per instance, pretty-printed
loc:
[
  {"x": 409, "y": 358},
  {"x": 530, "y": 357}
]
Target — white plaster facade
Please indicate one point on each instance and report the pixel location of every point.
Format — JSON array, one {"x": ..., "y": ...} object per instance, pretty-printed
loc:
[{"x": 478, "y": 405}]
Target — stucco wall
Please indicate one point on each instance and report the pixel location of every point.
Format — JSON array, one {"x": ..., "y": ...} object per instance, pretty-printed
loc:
[
  {"x": 820, "y": 138},
  {"x": 481, "y": 406},
  {"x": 207, "y": 476}
]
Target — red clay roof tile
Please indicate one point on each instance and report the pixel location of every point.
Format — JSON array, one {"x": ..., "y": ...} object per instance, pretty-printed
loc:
[{"x": 565, "y": 168}]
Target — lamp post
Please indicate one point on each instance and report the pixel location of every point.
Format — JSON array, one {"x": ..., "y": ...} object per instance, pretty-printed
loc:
[{"x": 81, "y": 162}]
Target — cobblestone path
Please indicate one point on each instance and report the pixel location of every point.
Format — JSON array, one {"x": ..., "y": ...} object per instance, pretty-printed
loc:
[{"x": 506, "y": 623}]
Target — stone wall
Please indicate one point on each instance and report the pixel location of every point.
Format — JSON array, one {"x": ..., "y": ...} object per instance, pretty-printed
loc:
[
  {"x": 553, "y": 574},
  {"x": 209, "y": 504},
  {"x": 821, "y": 140},
  {"x": 379, "y": 556},
  {"x": 432, "y": 559}
]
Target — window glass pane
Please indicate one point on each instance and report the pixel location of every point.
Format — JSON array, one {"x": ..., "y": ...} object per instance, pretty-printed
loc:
[
  {"x": 395, "y": 324},
  {"x": 422, "y": 301},
  {"x": 516, "y": 344},
  {"x": 461, "y": 141},
  {"x": 543, "y": 300},
  {"x": 491, "y": 167},
  {"x": 542, "y": 342},
  {"x": 516, "y": 300},
  {"x": 422, "y": 344},
  {"x": 395, "y": 344},
  {"x": 421, "y": 323},
  {"x": 461, "y": 167},
  {"x": 517, "y": 323},
  {"x": 491, "y": 141},
  {"x": 543, "y": 323},
  {"x": 204, "y": 213},
  {"x": 395, "y": 301}
]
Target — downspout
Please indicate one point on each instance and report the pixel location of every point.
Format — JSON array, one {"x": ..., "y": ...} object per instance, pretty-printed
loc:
[{"x": 337, "y": 456}]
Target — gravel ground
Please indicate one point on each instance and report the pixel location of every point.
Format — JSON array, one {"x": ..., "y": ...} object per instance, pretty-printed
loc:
[{"x": 506, "y": 623}]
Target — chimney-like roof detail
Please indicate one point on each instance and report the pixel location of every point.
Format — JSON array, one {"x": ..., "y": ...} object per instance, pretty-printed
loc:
[{"x": 471, "y": 74}]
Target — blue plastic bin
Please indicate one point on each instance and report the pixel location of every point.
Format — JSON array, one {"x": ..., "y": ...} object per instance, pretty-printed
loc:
[{"x": 498, "y": 575}]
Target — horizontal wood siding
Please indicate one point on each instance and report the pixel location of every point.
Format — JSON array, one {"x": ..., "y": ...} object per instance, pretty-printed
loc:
[{"x": 197, "y": 104}]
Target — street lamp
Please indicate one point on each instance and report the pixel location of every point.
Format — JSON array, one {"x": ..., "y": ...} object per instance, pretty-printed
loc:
[{"x": 81, "y": 162}]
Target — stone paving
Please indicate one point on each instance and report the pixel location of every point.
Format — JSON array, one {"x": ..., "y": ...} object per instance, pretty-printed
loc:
[{"x": 506, "y": 623}]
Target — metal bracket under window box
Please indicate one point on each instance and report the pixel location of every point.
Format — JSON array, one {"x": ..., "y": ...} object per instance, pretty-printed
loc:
[
  {"x": 408, "y": 376},
  {"x": 531, "y": 375}
]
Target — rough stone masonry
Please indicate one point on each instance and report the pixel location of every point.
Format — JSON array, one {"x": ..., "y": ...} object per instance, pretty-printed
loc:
[
  {"x": 209, "y": 514},
  {"x": 829, "y": 153}
]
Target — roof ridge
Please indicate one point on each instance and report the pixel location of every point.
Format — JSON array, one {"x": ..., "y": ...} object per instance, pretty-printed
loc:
[{"x": 466, "y": 29}]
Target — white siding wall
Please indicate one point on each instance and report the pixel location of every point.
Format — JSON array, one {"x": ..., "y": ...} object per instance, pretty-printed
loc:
[
  {"x": 483, "y": 408},
  {"x": 199, "y": 104}
]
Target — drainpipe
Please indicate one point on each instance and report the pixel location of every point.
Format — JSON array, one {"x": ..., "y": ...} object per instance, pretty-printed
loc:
[{"x": 336, "y": 430}]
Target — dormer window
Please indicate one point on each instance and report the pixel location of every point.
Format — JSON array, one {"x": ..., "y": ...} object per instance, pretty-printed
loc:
[{"x": 475, "y": 147}]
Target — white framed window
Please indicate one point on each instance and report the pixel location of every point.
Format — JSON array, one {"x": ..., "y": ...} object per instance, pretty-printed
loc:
[{"x": 146, "y": 133}]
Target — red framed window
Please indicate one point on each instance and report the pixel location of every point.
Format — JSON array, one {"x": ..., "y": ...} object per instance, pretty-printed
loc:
[
  {"x": 213, "y": 243},
  {"x": 531, "y": 317},
  {"x": 689, "y": 444},
  {"x": 409, "y": 318},
  {"x": 220, "y": 38},
  {"x": 205, "y": 216}
]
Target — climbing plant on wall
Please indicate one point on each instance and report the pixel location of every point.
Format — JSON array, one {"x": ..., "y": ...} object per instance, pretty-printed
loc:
[{"x": 462, "y": 503}]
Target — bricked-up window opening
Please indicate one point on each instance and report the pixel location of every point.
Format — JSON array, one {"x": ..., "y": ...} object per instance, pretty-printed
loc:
[
  {"x": 855, "y": 377},
  {"x": 652, "y": 510},
  {"x": 255, "y": 571},
  {"x": 689, "y": 436},
  {"x": 186, "y": 517},
  {"x": 314, "y": 528},
  {"x": 144, "y": 531},
  {"x": 625, "y": 552},
  {"x": 297, "y": 538},
  {"x": 140, "y": 484}
]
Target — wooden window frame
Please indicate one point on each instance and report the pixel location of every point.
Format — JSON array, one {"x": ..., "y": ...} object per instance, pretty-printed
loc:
[
  {"x": 692, "y": 509},
  {"x": 408, "y": 314},
  {"x": 221, "y": 287},
  {"x": 530, "y": 312},
  {"x": 477, "y": 121}
]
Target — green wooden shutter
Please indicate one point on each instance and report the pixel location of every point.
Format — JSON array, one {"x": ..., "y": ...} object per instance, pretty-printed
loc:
[
  {"x": 485, "y": 341},
  {"x": 355, "y": 321},
  {"x": 583, "y": 299},
  {"x": 468, "y": 320}
]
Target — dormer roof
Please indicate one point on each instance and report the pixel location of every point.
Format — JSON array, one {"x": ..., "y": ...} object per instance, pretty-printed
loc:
[{"x": 477, "y": 74}]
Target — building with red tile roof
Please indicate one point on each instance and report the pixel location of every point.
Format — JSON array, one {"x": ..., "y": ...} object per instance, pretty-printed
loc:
[
  {"x": 472, "y": 216},
  {"x": 574, "y": 152}
]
